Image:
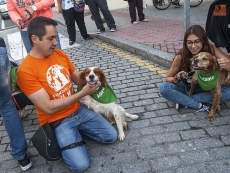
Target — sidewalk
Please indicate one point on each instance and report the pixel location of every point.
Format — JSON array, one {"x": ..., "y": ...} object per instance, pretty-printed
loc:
[{"x": 157, "y": 39}]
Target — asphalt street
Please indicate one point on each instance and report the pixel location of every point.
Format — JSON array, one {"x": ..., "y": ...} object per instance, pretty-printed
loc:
[{"x": 162, "y": 140}]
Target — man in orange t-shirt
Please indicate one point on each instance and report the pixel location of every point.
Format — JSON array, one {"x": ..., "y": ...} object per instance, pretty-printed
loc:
[{"x": 46, "y": 76}]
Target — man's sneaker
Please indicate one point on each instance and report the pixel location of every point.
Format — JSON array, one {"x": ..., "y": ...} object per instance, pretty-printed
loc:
[
  {"x": 99, "y": 31},
  {"x": 25, "y": 163},
  {"x": 203, "y": 108},
  {"x": 113, "y": 29}
]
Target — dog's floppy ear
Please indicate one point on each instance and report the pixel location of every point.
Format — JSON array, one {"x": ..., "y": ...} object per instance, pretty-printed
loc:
[
  {"x": 103, "y": 79},
  {"x": 82, "y": 80},
  {"x": 214, "y": 63}
]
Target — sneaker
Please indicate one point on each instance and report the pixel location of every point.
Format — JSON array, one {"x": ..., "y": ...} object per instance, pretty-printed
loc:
[
  {"x": 113, "y": 29},
  {"x": 25, "y": 163},
  {"x": 99, "y": 31},
  {"x": 71, "y": 43},
  {"x": 135, "y": 22},
  {"x": 145, "y": 20},
  {"x": 178, "y": 106},
  {"x": 89, "y": 38},
  {"x": 177, "y": 5},
  {"x": 203, "y": 108}
]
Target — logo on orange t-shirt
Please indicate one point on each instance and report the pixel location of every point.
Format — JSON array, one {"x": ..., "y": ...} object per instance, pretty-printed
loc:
[{"x": 58, "y": 79}]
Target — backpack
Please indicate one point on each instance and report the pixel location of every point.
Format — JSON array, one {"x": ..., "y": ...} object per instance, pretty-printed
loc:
[
  {"x": 79, "y": 6},
  {"x": 44, "y": 140}
]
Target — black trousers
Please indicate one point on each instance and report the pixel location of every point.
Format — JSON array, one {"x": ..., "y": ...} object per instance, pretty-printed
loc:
[
  {"x": 94, "y": 6},
  {"x": 133, "y": 4},
  {"x": 70, "y": 16}
]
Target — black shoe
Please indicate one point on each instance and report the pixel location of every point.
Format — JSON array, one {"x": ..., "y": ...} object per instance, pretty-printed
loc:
[
  {"x": 177, "y": 5},
  {"x": 174, "y": 2},
  {"x": 2, "y": 42},
  {"x": 25, "y": 163}
]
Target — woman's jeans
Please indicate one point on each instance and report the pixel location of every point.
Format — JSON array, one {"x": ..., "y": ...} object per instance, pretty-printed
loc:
[
  {"x": 26, "y": 41},
  {"x": 83, "y": 124},
  {"x": 8, "y": 111},
  {"x": 176, "y": 92}
]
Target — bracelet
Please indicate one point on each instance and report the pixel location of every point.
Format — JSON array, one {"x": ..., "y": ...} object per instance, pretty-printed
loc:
[{"x": 175, "y": 80}]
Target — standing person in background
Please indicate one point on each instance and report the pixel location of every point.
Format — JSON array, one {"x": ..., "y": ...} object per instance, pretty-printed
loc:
[
  {"x": 66, "y": 7},
  {"x": 133, "y": 5},
  {"x": 21, "y": 12},
  {"x": 94, "y": 6},
  {"x": 9, "y": 113}
]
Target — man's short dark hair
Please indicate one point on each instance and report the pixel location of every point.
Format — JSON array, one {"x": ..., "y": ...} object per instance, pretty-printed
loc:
[{"x": 37, "y": 26}]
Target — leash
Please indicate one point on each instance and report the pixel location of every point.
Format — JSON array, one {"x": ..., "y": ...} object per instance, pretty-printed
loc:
[{"x": 185, "y": 81}]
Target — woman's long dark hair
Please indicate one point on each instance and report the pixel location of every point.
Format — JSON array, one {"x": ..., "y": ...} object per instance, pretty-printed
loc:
[{"x": 185, "y": 53}]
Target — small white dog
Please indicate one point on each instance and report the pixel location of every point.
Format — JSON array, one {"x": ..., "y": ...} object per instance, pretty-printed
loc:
[{"x": 103, "y": 100}]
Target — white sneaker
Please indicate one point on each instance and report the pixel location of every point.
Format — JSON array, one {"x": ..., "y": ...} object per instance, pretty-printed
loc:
[
  {"x": 203, "y": 108},
  {"x": 135, "y": 22},
  {"x": 145, "y": 20}
]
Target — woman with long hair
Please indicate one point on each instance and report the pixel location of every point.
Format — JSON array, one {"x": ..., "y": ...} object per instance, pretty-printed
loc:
[{"x": 178, "y": 79}]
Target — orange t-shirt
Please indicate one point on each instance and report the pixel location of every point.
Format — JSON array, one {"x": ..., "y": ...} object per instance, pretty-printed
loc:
[{"x": 51, "y": 73}]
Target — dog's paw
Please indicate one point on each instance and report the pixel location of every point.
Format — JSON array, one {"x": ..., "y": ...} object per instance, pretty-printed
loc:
[
  {"x": 211, "y": 117},
  {"x": 134, "y": 117},
  {"x": 121, "y": 136}
]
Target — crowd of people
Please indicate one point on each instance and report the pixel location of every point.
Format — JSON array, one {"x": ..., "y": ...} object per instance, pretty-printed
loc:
[{"x": 45, "y": 62}]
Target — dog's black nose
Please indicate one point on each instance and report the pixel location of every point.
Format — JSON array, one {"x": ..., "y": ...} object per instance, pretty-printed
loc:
[
  {"x": 196, "y": 61},
  {"x": 91, "y": 76}
]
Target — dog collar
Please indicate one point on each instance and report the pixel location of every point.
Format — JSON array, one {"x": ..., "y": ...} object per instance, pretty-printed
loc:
[
  {"x": 102, "y": 95},
  {"x": 207, "y": 81}
]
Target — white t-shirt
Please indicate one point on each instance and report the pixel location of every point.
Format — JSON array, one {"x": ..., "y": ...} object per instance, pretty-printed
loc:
[{"x": 67, "y": 4}]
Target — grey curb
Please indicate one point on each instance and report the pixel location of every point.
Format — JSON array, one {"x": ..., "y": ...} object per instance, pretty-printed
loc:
[{"x": 157, "y": 56}]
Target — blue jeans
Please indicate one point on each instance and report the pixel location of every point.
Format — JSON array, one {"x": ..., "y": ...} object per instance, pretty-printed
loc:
[
  {"x": 26, "y": 41},
  {"x": 176, "y": 92},
  {"x": 8, "y": 111},
  {"x": 83, "y": 124}
]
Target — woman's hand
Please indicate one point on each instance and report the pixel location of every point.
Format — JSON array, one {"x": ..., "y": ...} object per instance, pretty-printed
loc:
[
  {"x": 19, "y": 24},
  {"x": 182, "y": 75}
]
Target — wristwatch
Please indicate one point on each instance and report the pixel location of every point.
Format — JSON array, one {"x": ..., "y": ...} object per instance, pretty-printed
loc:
[{"x": 34, "y": 8}]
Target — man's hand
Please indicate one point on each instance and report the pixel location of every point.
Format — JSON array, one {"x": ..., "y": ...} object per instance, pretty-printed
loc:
[
  {"x": 59, "y": 9},
  {"x": 88, "y": 89}
]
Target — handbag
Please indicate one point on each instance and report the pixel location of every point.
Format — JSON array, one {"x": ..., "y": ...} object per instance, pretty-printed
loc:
[
  {"x": 79, "y": 6},
  {"x": 44, "y": 140}
]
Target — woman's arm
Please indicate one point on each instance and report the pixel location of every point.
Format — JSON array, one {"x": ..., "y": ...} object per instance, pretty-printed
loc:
[{"x": 175, "y": 67}]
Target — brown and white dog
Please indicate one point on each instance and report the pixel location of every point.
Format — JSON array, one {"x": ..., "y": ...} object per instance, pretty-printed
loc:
[
  {"x": 205, "y": 62},
  {"x": 112, "y": 111}
]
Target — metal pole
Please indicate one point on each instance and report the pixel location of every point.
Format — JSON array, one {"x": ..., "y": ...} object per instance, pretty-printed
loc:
[{"x": 186, "y": 14}]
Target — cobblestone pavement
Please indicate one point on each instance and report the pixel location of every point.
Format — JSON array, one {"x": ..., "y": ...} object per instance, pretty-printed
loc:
[{"x": 162, "y": 140}]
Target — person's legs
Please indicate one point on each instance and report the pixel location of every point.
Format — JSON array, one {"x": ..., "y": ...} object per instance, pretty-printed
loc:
[
  {"x": 176, "y": 93},
  {"x": 79, "y": 18},
  {"x": 132, "y": 10},
  {"x": 93, "y": 7},
  {"x": 207, "y": 97},
  {"x": 70, "y": 23},
  {"x": 103, "y": 6},
  {"x": 87, "y": 123},
  {"x": 9, "y": 113},
  {"x": 139, "y": 5}
]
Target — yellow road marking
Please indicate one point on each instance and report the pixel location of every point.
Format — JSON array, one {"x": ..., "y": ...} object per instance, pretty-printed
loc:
[{"x": 131, "y": 58}]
